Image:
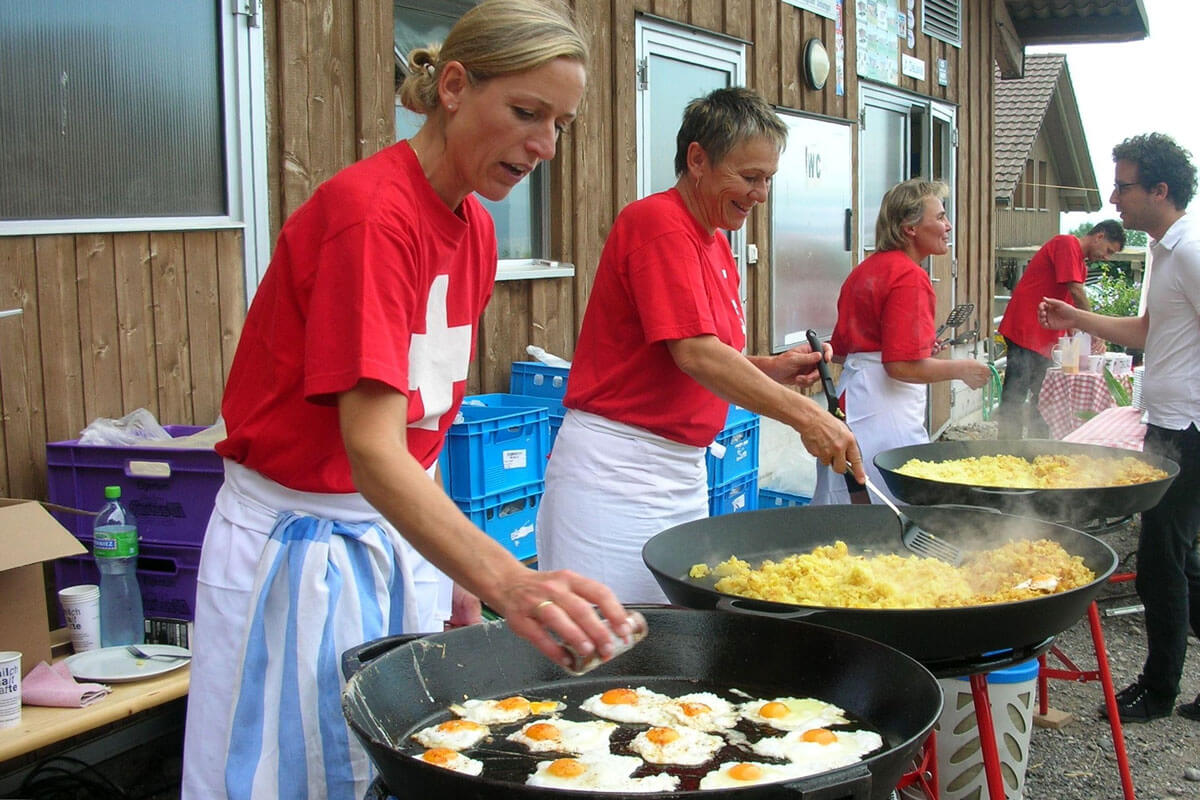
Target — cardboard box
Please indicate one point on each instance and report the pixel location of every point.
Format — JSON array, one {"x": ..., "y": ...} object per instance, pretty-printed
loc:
[{"x": 28, "y": 536}]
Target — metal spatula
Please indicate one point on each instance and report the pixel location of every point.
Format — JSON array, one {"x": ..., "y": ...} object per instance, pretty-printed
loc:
[
  {"x": 958, "y": 315},
  {"x": 917, "y": 540}
]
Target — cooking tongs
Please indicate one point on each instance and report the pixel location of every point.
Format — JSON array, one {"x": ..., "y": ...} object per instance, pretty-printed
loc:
[
  {"x": 958, "y": 315},
  {"x": 858, "y": 493}
]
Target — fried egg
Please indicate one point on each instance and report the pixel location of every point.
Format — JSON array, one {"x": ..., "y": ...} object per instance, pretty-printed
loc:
[
  {"x": 453, "y": 734},
  {"x": 676, "y": 745},
  {"x": 793, "y": 713},
  {"x": 506, "y": 710},
  {"x": 603, "y": 772},
  {"x": 451, "y": 760},
  {"x": 565, "y": 736},
  {"x": 820, "y": 748},
  {"x": 747, "y": 773},
  {"x": 703, "y": 711},
  {"x": 630, "y": 705}
]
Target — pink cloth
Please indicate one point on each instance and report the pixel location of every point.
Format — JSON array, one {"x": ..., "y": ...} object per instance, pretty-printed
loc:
[
  {"x": 53, "y": 685},
  {"x": 1120, "y": 426}
]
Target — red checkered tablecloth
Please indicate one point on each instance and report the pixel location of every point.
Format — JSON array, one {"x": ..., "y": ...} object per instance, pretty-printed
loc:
[
  {"x": 1119, "y": 426},
  {"x": 1065, "y": 396}
]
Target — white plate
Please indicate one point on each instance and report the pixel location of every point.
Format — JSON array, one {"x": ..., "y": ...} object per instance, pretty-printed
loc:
[{"x": 118, "y": 665}]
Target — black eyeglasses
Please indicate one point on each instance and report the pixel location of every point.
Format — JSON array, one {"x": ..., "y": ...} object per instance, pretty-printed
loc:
[{"x": 1119, "y": 188}]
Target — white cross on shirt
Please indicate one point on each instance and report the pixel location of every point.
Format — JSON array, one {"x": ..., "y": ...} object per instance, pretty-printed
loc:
[{"x": 438, "y": 357}]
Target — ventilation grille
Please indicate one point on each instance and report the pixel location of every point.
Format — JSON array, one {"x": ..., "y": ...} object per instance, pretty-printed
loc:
[{"x": 942, "y": 19}]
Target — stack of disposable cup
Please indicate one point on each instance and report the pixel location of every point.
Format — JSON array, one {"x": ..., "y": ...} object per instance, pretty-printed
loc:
[
  {"x": 81, "y": 609},
  {"x": 1136, "y": 400}
]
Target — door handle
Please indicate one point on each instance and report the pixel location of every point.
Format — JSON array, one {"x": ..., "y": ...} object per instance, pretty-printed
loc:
[{"x": 848, "y": 229}]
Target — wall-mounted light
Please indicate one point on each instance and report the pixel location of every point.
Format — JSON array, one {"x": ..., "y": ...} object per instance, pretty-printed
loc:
[{"x": 815, "y": 64}]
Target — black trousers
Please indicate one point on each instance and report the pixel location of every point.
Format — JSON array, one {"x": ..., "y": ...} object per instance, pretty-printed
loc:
[
  {"x": 1024, "y": 371},
  {"x": 1168, "y": 565}
]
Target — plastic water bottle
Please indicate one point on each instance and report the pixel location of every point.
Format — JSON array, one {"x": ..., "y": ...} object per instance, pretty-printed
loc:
[{"x": 115, "y": 543}]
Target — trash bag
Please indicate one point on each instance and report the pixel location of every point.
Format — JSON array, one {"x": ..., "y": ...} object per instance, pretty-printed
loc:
[{"x": 136, "y": 427}]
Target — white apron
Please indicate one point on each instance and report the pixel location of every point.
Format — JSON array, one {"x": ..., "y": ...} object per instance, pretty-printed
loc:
[
  {"x": 609, "y": 488},
  {"x": 882, "y": 413},
  {"x": 285, "y": 593}
]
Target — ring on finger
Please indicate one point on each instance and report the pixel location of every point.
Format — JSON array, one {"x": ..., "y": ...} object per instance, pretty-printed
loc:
[{"x": 540, "y": 606}]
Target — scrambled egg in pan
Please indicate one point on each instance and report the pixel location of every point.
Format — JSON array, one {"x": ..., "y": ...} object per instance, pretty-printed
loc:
[
  {"x": 830, "y": 576},
  {"x": 1044, "y": 472}
]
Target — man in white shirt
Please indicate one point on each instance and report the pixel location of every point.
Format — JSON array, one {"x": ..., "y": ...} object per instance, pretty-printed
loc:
[{"x": 1155, "y": 180}]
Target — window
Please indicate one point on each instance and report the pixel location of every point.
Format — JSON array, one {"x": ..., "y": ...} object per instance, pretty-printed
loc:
[
  {"x": 522, "y": 218},
  {"x": 132, "y": 115},
  {"x": 677, "y": 64},
  {"x": 942, "y": 19},
  {"x": 1042, "y": 183}
]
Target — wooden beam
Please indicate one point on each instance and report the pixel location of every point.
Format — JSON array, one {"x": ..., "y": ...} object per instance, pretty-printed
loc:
[{"x": 1010, "y": 52}]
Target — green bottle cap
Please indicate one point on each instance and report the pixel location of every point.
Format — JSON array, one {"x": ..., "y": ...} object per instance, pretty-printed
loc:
[{"x": 112, "y": 492}]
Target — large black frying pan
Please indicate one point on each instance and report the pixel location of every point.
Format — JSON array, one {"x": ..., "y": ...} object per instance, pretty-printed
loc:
[
  {"x": 948, "y": 641},
  {"x": 1076, "y": 505},
  {"x": 399, "y": 686}
]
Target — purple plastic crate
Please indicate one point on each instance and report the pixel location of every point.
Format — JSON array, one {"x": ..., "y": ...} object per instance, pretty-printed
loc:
[
  {"x": 166, "y": 575},
  {"x": 169, "y": 490}
]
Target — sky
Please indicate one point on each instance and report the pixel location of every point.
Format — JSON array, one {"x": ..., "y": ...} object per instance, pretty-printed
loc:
[{"x": 1137, "y": 87}]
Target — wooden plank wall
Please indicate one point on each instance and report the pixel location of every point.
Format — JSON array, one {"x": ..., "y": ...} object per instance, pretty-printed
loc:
[{"x": 111, "y": 323}]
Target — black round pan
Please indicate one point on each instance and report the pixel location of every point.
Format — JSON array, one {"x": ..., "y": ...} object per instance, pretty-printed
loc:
[
  {"x": 399, "y": 686},
  {"x": 943, "y": 639},
  {"x": 1076, "y": 505}
]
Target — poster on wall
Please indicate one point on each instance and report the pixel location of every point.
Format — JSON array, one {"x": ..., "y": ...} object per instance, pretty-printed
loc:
[
  {"x": 825, "y": 8},
  {"x": 878, "y": 51}
]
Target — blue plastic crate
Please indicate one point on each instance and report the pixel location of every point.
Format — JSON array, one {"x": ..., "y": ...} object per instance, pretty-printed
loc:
[
  {"x": 554, "y": 408},
  {"x": 773, "y": 498},
  {"x": 170, "y": 490},
  {"x": 534, "y": 377},
  {"x": 740, "y": 494},
  {"x": 739, "y": 437},
  {"x": 508, "y": 517},
  {"x": 495, "y": 449}
]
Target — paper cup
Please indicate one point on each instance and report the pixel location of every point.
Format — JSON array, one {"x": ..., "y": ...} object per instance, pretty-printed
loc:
[
  {"x": 81, "y": 609},
  {"x": 10, "y": 689},
  {"x": 1096, "y": 363}
]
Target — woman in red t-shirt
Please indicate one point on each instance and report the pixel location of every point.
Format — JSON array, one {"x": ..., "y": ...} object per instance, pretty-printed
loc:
[
  {"x": 885, "y": 332},
  {"x": 660, "y": 358},
  {"x": 329, "y": 529}
]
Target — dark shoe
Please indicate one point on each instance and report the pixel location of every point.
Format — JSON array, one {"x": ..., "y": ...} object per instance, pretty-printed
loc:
[
  {"x": 1137, "y": 703},
  {"x": 1190, "y": 710}
]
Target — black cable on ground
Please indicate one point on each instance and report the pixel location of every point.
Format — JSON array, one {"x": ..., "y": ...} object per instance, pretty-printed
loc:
[{"x": 50, "y": 781}]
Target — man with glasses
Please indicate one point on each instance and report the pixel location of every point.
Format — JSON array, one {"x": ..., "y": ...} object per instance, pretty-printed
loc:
[
  {"x": 1155, "y": 180},
  {"x": 1058, "y": 270}
]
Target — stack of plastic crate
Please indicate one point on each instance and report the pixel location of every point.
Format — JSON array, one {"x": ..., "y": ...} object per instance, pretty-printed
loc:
[
  {"x": 543, "y": 386},
  {"x": 733, "y": 465},
  {"x": 171, "y": 492},
  {"x": 494, "y": 467}
]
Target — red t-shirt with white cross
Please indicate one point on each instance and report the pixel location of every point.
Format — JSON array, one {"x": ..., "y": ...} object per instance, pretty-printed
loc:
[
  {"x": 373, "y": 278},
  {"x": 661, "y": 277}
]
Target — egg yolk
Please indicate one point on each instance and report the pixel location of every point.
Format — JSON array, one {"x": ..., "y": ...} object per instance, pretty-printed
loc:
[
  {"x": 565, "y": 768},
  {"x": 619, "y": 697},
  {"x": 513, "y": 703},
  {"x": 453, "y": 725},
  {"x": 662, "y": 735},
  {"x": 543, "y": 731},
  {"x": 773, "y": 710},
  {"x": 694, "y": 709},
  {"x": 819, "y": 735},
  {"x": 745, "y": 772},
  {"x": 543, "y": 706},
  {"x": 439, "y": 755}
]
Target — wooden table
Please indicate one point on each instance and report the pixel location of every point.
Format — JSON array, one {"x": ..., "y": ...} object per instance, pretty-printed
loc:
[{"x": 42, "y": 726}]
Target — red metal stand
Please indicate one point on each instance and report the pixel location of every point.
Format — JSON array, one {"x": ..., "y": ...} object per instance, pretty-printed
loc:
[
  {"x": 925, "y": 772},
  {"x": 1102, "y": 674}
]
